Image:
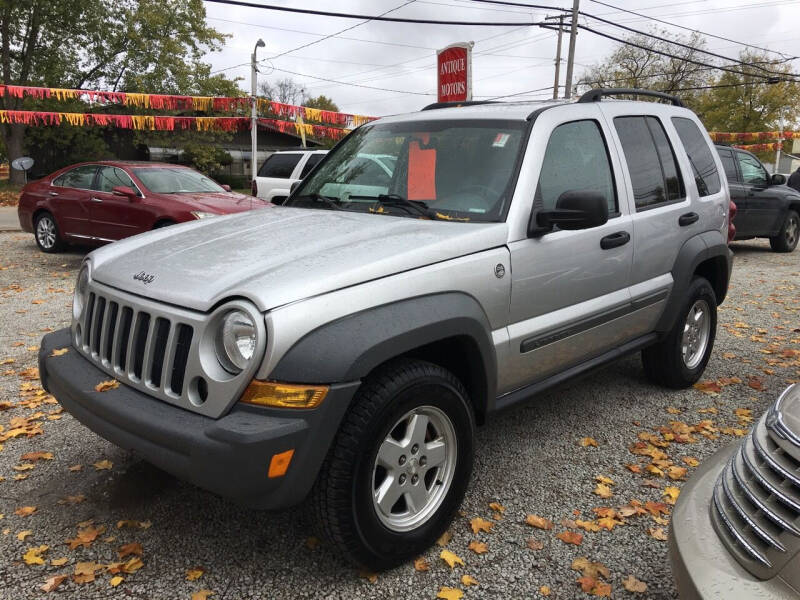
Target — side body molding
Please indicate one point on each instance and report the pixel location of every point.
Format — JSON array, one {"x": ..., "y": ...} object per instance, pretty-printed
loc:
[
  {"x": 349, "y": 348},
  {"x": 696, "y": 250}
]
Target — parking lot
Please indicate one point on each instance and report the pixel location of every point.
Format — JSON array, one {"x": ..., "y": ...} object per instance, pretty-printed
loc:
[{"x": 529, "y": 461}]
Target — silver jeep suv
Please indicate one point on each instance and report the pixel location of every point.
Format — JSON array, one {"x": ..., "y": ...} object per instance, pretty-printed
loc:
[{"x": 345, "y": 345}]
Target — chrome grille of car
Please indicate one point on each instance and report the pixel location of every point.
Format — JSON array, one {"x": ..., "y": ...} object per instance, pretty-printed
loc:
[
  {"x": 137, "y": 346},
  {"x": 756, "y": 503}
]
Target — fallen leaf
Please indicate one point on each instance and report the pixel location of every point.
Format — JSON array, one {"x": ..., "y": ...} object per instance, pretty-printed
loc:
[
  {"x": 86, "y": 535},
  {"x": 604, "y": 480},
  {"x": 116, "y": 580},
  {"x": 34, "y": 555},
  {"x": 448, "y": 593},
  {"x": 444, "y": 539},
  {"x": 103, "y": 465},
  {"x": 708, "y": 387},
  {"x": 691, "y": 461},
  {"x": 133, "y": 565},
  {"x": 34, "y": 456},
  {"x": 194, "y": 573},
  {"x": 25, "y": 511},
  {"x": 468, "y": 580},
  {"x": 478, "y": 547},
  {"x": 497, "y": 507},
  {"x": 51, "y": 583},
  {"x": 451, "y": 558},
  {"x": 656, "y": 508},
  {"x": 634, "y": 585},
  {"x": 134, "y": 548},
  {"x": 534, "y": 544},
  {"x": 671, "y": 493},
  {"x": 75, "y": 468},
  {"x": 202, "y": 595},
  {"x": 633, "y": 468},
  {"x": 103, "y": 386},
  {"x": 677, "y": 473},
  {"x": 602, "y": 490},
  {"x": 570, "y": 537},
  {"x": 23, "y": 534},
  {"x": 539, "y": 522},
  {"x": 23, "y": 467},
  {"x": 595, "y": 570},
  {"x": 369, "y": 576},
  {"x": 133, "y": 524},
  {"x": 757, "y": 383},
  {"x": 480, "y": 524},
  {"x": 657, "y": 533},
  {"x": 588, "y": 441},
  {"x": 59, "y": 351},
  {"x": 544, "y": 590},
  {"x": 420, "y": 564},
  {"x": 59, "y": 562}
]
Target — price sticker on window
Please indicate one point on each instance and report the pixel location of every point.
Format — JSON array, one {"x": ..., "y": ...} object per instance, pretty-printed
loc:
[{"x": 500, "y": 140}]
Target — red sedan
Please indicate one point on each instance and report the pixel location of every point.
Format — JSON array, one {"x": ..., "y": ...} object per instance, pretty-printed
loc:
[{"x": 100, "y": 202}]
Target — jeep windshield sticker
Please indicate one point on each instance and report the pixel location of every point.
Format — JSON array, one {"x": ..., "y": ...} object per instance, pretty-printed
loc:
[{"x": 500, "y": 140}]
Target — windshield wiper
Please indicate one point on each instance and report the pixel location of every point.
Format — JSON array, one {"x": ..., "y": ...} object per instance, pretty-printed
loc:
[
  {"x": 328, "y": 201},
  {"x": 397, "y": 200}
]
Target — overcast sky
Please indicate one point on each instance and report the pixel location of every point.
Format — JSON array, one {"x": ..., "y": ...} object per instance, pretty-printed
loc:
[{"x": 401, "y": 58}]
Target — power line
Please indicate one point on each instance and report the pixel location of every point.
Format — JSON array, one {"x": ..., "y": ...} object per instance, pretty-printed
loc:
[
  {"x": 657, "y": 20},
  {"x": 369, "y": 87},
  {"x": 326, "y": 13}
]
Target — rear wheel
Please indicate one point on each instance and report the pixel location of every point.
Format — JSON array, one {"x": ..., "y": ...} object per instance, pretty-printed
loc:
[
  {"x": 399, "y": 466},
  {"x": 786, "y": 240},
  {"x": 680, "y": 358},
  {"x": 45, "y": 230}
]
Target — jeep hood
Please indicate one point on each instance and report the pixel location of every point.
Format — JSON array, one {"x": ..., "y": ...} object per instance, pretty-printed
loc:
[{"x": 281, "y": 255}]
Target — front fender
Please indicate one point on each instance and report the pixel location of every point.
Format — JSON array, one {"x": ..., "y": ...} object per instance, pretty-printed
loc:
[{"x": 349, "y": 348}]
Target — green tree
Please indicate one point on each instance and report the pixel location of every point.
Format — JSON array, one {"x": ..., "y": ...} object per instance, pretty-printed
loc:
[
  {"x": 127, "y": 45},
  {"x": 205, "y": 158},
  {"x": 321, "y": 102}
]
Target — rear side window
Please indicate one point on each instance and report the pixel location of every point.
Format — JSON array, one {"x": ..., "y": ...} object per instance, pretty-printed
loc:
[
  {"x": 655, "y": 176},
  {"x": 310, "y": 164},
  {"x": 80, "y": 178},
  {"x": 279, "y": 165},
  {"x": 700, "y": 156},
  {"x": 727, "y": 163},
  {"x": 576, "y": 159}
]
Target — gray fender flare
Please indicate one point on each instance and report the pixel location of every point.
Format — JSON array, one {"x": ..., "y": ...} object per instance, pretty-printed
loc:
[
  {"x": 349, "y": 348},
  {"x": 696, "y": 250}
]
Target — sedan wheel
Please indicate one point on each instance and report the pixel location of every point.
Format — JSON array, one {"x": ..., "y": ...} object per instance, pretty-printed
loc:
[{"x": 46, "y": 233}]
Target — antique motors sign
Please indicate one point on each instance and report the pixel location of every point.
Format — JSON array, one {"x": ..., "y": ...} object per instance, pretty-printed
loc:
[{"x": 454, "y": 73}]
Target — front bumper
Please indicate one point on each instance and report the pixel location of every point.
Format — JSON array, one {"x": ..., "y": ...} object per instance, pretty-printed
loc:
[
  {"x": 702, "y": 567},
  {"x": 229, "y": 456}
]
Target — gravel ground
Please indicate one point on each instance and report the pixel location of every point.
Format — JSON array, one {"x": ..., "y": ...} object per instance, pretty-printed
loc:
[{"x": 529, "y": 460}]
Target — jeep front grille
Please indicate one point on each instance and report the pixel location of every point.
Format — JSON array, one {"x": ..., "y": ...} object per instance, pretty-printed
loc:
[
  {"x": 139, "y": 347},
  {"x": 756, "y": 503}
]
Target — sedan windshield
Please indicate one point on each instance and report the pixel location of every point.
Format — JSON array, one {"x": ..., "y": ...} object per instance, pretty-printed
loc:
[
  {"x": 175, "y": 180},
  {"x": 461, "y": 170}
]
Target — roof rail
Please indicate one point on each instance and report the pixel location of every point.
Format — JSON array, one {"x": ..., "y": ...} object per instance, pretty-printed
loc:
[
  {"x": 436, "y": 105},
  {"x": 596, "y": 94}
]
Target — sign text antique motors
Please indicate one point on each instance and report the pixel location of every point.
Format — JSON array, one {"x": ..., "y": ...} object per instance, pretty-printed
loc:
[{"x": 454, "y": 73}]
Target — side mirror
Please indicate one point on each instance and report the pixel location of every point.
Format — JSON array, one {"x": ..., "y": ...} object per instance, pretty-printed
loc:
[
  {"x": 575, "y": 209},
  {"x": 777, "y": 179},
  {"x": 124, "y": 190},
  {"x": 226, "y": 187}
]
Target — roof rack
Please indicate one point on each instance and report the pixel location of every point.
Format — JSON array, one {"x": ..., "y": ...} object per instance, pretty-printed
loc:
[
  {"x": 596, "y": 94},
  {"x": 436, "y": 105}
]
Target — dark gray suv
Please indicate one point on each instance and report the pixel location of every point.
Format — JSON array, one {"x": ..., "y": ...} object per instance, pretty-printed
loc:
[{"x": 345, "y": 345}]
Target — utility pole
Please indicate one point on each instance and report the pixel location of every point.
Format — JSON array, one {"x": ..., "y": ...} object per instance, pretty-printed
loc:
[
  {"x": 254, "y": 109},
  {"x": 780, "y": 145},
  {"x": 558, "y": 52},
  {"x": 573, "y": 33}
]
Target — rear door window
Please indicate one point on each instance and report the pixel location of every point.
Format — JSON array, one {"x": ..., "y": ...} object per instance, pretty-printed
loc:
[
  {"x": 653, "y": 168},
  {"x": 576, "y": 159},
  {"x": 700, "y": 156},
  {"x": 280, "y": 165},
  {"x": 80, "y": 178},
  {"x": 312, "y": 162},
  {"x": 729, "y": 165}
]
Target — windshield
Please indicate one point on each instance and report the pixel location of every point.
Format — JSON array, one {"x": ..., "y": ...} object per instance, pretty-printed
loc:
[
  {"x": 177, "y": 180},
  {"x": 451, "y": 169}
]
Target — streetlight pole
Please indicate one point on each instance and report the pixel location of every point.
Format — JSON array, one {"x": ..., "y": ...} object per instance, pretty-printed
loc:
[
  {"x": 254, "y": 108},
  {"x": 558, "y": 53},
  {"x": 573, "y": 34}
]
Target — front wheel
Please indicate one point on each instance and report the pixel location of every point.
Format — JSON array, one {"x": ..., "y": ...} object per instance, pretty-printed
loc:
[
  {"x": 786, "y": 240},
  {"x": 399, "y": 466},
  {"x": 45, "y": 230},
  {"x": 679, "y": 360}
]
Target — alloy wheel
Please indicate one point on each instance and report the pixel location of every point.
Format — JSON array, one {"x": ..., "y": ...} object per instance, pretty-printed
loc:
[
  {"x": 46, "y": 232},
  {"x": 696, "y": 333}
]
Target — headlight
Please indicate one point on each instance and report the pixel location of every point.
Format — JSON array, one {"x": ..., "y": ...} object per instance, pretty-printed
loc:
[
  {"x": 235, "y": 341},
  {"x": 199, "y": 214},
  {"x": 81, "y": 290}
]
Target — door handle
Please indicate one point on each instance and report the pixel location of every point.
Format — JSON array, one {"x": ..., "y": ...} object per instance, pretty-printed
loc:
[
  {"x": 53, "y": 193},
  {"x": 688, "y": 219},
  {"x": 96, "y": 199},
  {"x": 615, "y": 240}
]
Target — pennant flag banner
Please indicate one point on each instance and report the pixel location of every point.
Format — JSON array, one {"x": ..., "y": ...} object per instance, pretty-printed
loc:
[
  {"x": 157, "y": 123},
  {"x": 752, "y": 136},
  {"x": 759, "y": 147},
  {"x": 198, "y": 103}
]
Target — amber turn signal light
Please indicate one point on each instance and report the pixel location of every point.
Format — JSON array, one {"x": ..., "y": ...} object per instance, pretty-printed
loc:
[
  {"x": 284, "y": 395},
  {"x": 280, "y": 463}
]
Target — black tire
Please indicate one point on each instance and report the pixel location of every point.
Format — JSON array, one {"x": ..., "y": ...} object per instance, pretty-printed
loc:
[
  {"x": 786, "y": 240},
  {"x": 342, "y": 496},
  {"x": 46, "y": 233},
  {"x": 664, "y": 362}
]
